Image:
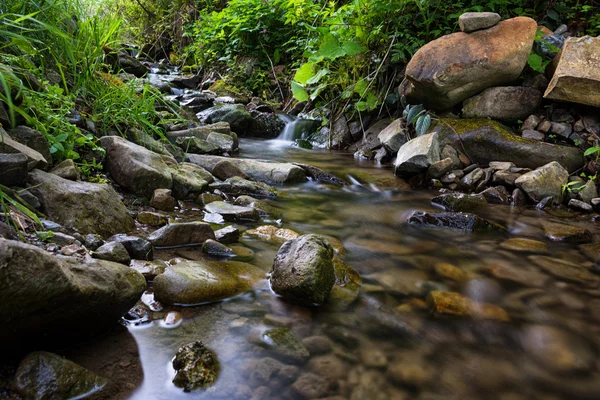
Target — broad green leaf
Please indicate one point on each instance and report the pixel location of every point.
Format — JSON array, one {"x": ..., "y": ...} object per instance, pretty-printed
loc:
[
  {"x": 62, "y": 137},
  {"x": 276, "y": 56},
  {"x": 372, "y": 101},
  {"x": 361, "y": 106},
  {"x": 360, "y": 87},
  {"x": 413, "y": 112},
  {"x": 330, "y": 48},
  {"x": 592, "y": 150},
  {"x": 423, "y": 123},
  {"x": 304, "y": 73},
  {"x": 299, "y": 92},
  {"x": 317, "y": 77},
  {"x": 351, "y": 48},
  {"x": 535, "y": 61},
  {"x": 317, "y": 91}
]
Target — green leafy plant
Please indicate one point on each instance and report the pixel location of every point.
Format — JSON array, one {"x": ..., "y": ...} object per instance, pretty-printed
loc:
[
  {"x": 593, "y": 151},
  {"x": 571, "y": 187},
  {"x": 416, "y": 116}
]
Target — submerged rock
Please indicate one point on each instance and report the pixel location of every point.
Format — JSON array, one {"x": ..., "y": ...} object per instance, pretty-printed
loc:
[
  {"x": 198, "y": 282},
  {"x": 524, "y": 245},
  {"x": 566, "y": 233},
  {"x": 44, "y": 296},
  {"x": 196, "y": 367},
  {"x": 452, "y": 303},
  {"x": 86, "y": 207},
  {"x": 285, "y": 344},
  {"x": 272, "y": 234},
  {"x": 465, "y": 222},
  {"x": 303, "y": 271},
  {"x": 43, "y": 375}
]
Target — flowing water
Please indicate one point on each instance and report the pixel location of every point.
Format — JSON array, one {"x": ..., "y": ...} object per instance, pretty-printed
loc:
[{"x": 387, "y": 344}]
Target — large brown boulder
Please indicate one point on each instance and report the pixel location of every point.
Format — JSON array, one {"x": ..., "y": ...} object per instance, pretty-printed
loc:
[
  {"x": 455, "y": 67},
  {"x": 577, "y": 75}
]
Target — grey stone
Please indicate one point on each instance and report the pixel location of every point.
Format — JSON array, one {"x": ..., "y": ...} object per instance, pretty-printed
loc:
[
  {"x": 303, "y": 271},
  {"x": 227, "y": 235},
  {"x": 505, "y": 177},
  {"x": 137, "y": 248},
  {"x": 189, "y": 181},
  {"x": 86, "y": 207},
  {"x": 417, "y": 155},
  {"x": 460, "y": 202},
  {"x": 226, "y": 169},
  {"x": 150, "y": 269},
  {"x": 232, "y": 212},
  {"x": 580, "y": 205},
  {"x": 13, "y": 169},
  {"x": 503, "y": 103},
  {"x": 561, "y": 129},
  {"x": 464, "y": 222},
  {"x": 474, "y": 21},
  {"x": 66, "y": 170},
  {"x": 393, "y": 136},
  {"x": 32, "y": 139},
  {"x": 533, "y": 135},
  {"x": 495, "y": 195},
  {"x": 113, "y": 251},
  {"x": 182, "y": 234},
  {"x": 9, "y": 145},
  {"x": 547, "y": 180},
  {"x": 530, "y": 123},
  {"x": 588, "y": 192},
  {"x": 470, "y": 180},
  {"x": 45, "y": 296},
  {"x": 237, "y": 186},
  {"x": 440, "y": 168}
]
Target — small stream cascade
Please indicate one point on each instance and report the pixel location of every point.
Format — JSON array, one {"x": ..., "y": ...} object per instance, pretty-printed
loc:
[{"x": 296, "y": 128}]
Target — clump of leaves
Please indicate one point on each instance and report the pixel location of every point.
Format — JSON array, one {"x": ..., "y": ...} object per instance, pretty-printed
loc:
[{"x": 416, "y": 116}]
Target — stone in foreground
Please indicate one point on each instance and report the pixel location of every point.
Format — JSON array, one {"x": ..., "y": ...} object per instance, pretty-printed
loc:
[
  {"x": 577, "y": 75},
  {"x": 182, "y": 234},
  {"x": 196, "y": 367},
  {"x": 43, "y": 375},
  {"x": 86, "y": 207},
  {"x": 474, "y": 21},
  {"x": 468, "y": 223},
  {"x": 303, "y": 271},
  {"x": 545, "y": 181},
  {"x": 43, "y": 295},
  {"x": 417, "y": 155},
  {"x": 455, "y": 67}
]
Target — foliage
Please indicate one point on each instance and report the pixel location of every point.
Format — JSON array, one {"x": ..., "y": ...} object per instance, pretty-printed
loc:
[
  {"x": 416, "y": 116},
  {"x": 593, "y": 151}
]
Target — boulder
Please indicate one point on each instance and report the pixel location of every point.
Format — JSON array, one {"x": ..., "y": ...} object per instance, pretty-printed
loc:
[
  {"x": 32, "y": 139},
  {"x": 46, "y": 296},
  {"x": 460, "y": 221},
  {"x": 182, "y": 234},
  {"x": 135, "y": 168},
  {"x": 393, "y": 136},
  {"x": 226, "y": 169},
  {"x": 486, "y": 141},
  {"x": 43, "y": 375},
  {"x": 303, "y": 271},
  {"x": 201, "y": 132},
  {"x": 11, "y": 146},
  {"x": 272, "y": 173},
  {"x": 13, "y": 169},
  {"x": 199, "y": 282},
  {"x": 474, "y": 21},
  {"x": 577, "y": 76},
  {"x": 453, "y": 68},
  {"x": 235, "y": 115},
  {"x": 417, "y": 155},
  {"x": 503, "y": 103},
  {"x": 545, "y": 181},
  {"x": 86, "y": 207}
]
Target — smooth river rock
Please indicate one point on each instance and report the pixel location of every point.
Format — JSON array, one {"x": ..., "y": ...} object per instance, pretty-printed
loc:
[
  {"x": 453, "y": 68},
  {"x": 84, "y": 206},
  {"x": 272, "y": 173},
  {"x": 503, "y": 103},
  {"x": 43, "y": 296},
  {"x": 303, "y": 271},
  {"x": 182, "y": 234}
]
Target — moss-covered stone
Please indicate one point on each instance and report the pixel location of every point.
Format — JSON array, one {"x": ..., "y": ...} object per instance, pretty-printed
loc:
[{"x": 196, "y": 367}]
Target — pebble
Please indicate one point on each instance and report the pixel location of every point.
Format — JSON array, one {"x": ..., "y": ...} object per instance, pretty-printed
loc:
[
  {"x": 311, "y": 386},
  {"x": 317, "y": 344},
  {"x": 172, "y": 319},
  {"x": 580, "y": 205}
]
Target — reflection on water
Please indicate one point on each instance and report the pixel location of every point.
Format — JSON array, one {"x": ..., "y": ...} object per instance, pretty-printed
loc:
[{"x": 531, "y": 329}]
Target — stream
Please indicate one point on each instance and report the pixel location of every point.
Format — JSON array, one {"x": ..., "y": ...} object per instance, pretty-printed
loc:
[{"x": 386, "y": 344}]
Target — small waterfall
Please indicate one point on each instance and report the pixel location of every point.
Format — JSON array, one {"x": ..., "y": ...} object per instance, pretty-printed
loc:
[{"x": 296, "y": 128}]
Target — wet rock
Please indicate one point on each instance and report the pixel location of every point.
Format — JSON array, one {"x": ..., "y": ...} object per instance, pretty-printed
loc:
[
  {"x": 521, "y": 276},
  {"x": 92, "y": 242},
  {"x": 13, "y": 169},
  {"x": 86, "y": 207},
  {"x": 191, "y": 282},
  {"x": 303, "y": 271},
  {"x": 196, "y": 367},
  {"x": 135, "y": 168},
  {"x": 452, "y": 303},
  {"x": 227, "y": 235},
  {"x": 311, "y": 386},
  {"x": 263, "y": 208},
  {"x": 591, "y": 251},
  {"x": 320, "y": 176},
  {"x": 317, "y": 345},
  {"x": 557, "y": 350},
  {"x": 506, "y": 178},
  {"x": 66, "y": 170},
  {"x": 486, "y": 141},
  {"x": 453, "y": 176},
  {"x": 440, "y": 168},
  {"x": 271, "y": 173},
  {"x": 215, "y": 248},
  {"x": 412, "y": 372},
  {"x": 449, "y": 271},
  {"x": 460, "y": 202},
  {"x": 32, "y": 139},
  {"x": 84, "y": 296},
  {"x": 237, "y": 186},
  {"x": 232, "y": 212},
  {"x": 589, "y": 192},
  {"x": 43, "y": 375},
  {"x": 189, "y": 181},
  {"x": 272, "y": 234},
  {"x": 138, "y": 248},
  {"x": 393, "y": 136},
  {"x": 113, "y": 251},
  {"x": 474, "y": 21},
  {"x": 547, "y": 180},
  {"x": 11, "y": 146},
  {"x": 576, "y": 78},
  {"x": 580, "y": 205},
  {"x": 484, "y": 290},
  {"x": 181, "y": 234},
  {"x": 566, "y": 233},
  {"x": 465, "y": 222},
  {"x": 524, "y": 245},
  {"x": 373, "y": 357},
  {"x": 284, "y": 343},
  {"x": 417, "y": 155},
  {"x": 266, "y": 370},
  {"x": 495, "y": 195},
  {"x": 503, "y": 103},
  {"x": 565, "y": 270},
  {"x": 162, "y": 200},
  {"x": 226, "y": 169},
  {"x": 480, "y": 60},
  {"x": 150, "y": 269},
  {"x": 152, "y": 218},
  {"x": 519, "y": 198}
]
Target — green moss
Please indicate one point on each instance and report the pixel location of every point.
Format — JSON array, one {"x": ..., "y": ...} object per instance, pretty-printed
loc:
[
  {"x": 222, "y": 88},
  {"x": 468, "y": 125}
]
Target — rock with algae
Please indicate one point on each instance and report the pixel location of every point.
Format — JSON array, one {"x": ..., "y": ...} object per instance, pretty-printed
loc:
[{"x": 197, "y": 367}]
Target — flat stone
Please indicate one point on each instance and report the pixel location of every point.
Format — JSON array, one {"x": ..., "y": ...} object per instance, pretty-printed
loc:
[
  {"x": 565, "y": 270},
  {"x": 237, "y": 186},
  {"x": 227, "y": 235},
  {"x": 524, "y": 245},
  {"x": 11, "y": 146},
  {"x": 393, "y": 136},
  {"x": 232, "y": 212},
  {"x": 226, "y": 169},
  {"x": 152, "y": 218},
  {"x": 501, "y": 165},
  {"x": 460, "y": 202},
  {"x": 285, "y": 344},
  {"x": 522, "y": 276},
  {"x": 580, "y": 205},
  {"x": 272, "y": 234},
  {"x": 591, "y": 251},
  {"x": 506, "y": 103},
  {"x": 455, "y": 304},
  {"x": 474, "y": 21},
  {"x": 533, "y": 135},
  {"x": 182, "y": 234},
  {"x": 566, "y": 233}
]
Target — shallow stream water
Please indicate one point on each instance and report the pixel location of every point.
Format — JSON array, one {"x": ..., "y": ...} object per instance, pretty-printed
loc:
[{"x": 387, "y": 344}]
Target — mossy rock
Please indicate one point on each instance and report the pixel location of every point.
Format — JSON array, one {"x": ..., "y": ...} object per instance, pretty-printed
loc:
[{"x": 222, "y": 88}]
